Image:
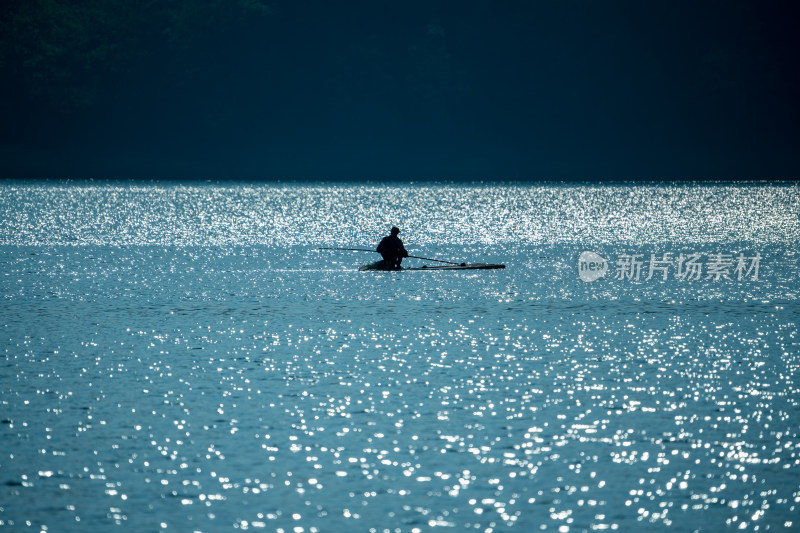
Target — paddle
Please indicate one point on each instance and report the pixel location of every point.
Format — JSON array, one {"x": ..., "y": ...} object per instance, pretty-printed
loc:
[
  {"x": 350, "y": 249},
  {"x": 414, "y": 256},
  {"x": 437, "y": 260}
]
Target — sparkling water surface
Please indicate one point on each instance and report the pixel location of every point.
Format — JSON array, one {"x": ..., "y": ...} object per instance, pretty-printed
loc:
[{"x": 182, "y": 357}]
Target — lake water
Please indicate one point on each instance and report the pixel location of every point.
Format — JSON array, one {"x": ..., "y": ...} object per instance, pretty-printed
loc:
[{"x": 181, "y": 357}]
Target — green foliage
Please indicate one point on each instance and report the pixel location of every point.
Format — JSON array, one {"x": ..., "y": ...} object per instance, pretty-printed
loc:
[
  {"x": 68, "y": 53},
  {"x": 186, "y": 22}
]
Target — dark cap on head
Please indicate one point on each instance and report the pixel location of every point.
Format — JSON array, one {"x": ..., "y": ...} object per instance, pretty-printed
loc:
[{"x": 395, "y": 230}]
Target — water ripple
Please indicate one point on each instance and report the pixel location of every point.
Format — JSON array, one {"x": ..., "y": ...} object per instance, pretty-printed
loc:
[{"x": 183, "y": 358}]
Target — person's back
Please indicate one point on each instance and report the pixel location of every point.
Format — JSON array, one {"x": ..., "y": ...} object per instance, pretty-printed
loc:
[{"x": 392, "y": 250}]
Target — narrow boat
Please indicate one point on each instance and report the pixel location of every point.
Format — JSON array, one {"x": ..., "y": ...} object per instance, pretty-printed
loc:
[{"x": 383, "y": 266}]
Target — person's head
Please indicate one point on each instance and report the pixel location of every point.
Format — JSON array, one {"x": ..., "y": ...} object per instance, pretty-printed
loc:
[{"x": 395, "y": 230}]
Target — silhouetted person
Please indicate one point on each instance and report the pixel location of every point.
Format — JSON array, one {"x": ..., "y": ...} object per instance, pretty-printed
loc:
[{"x": 392, "y": 250}]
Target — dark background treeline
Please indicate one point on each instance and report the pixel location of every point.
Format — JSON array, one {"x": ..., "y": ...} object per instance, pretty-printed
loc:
[{"x": 259, "y": 89}]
